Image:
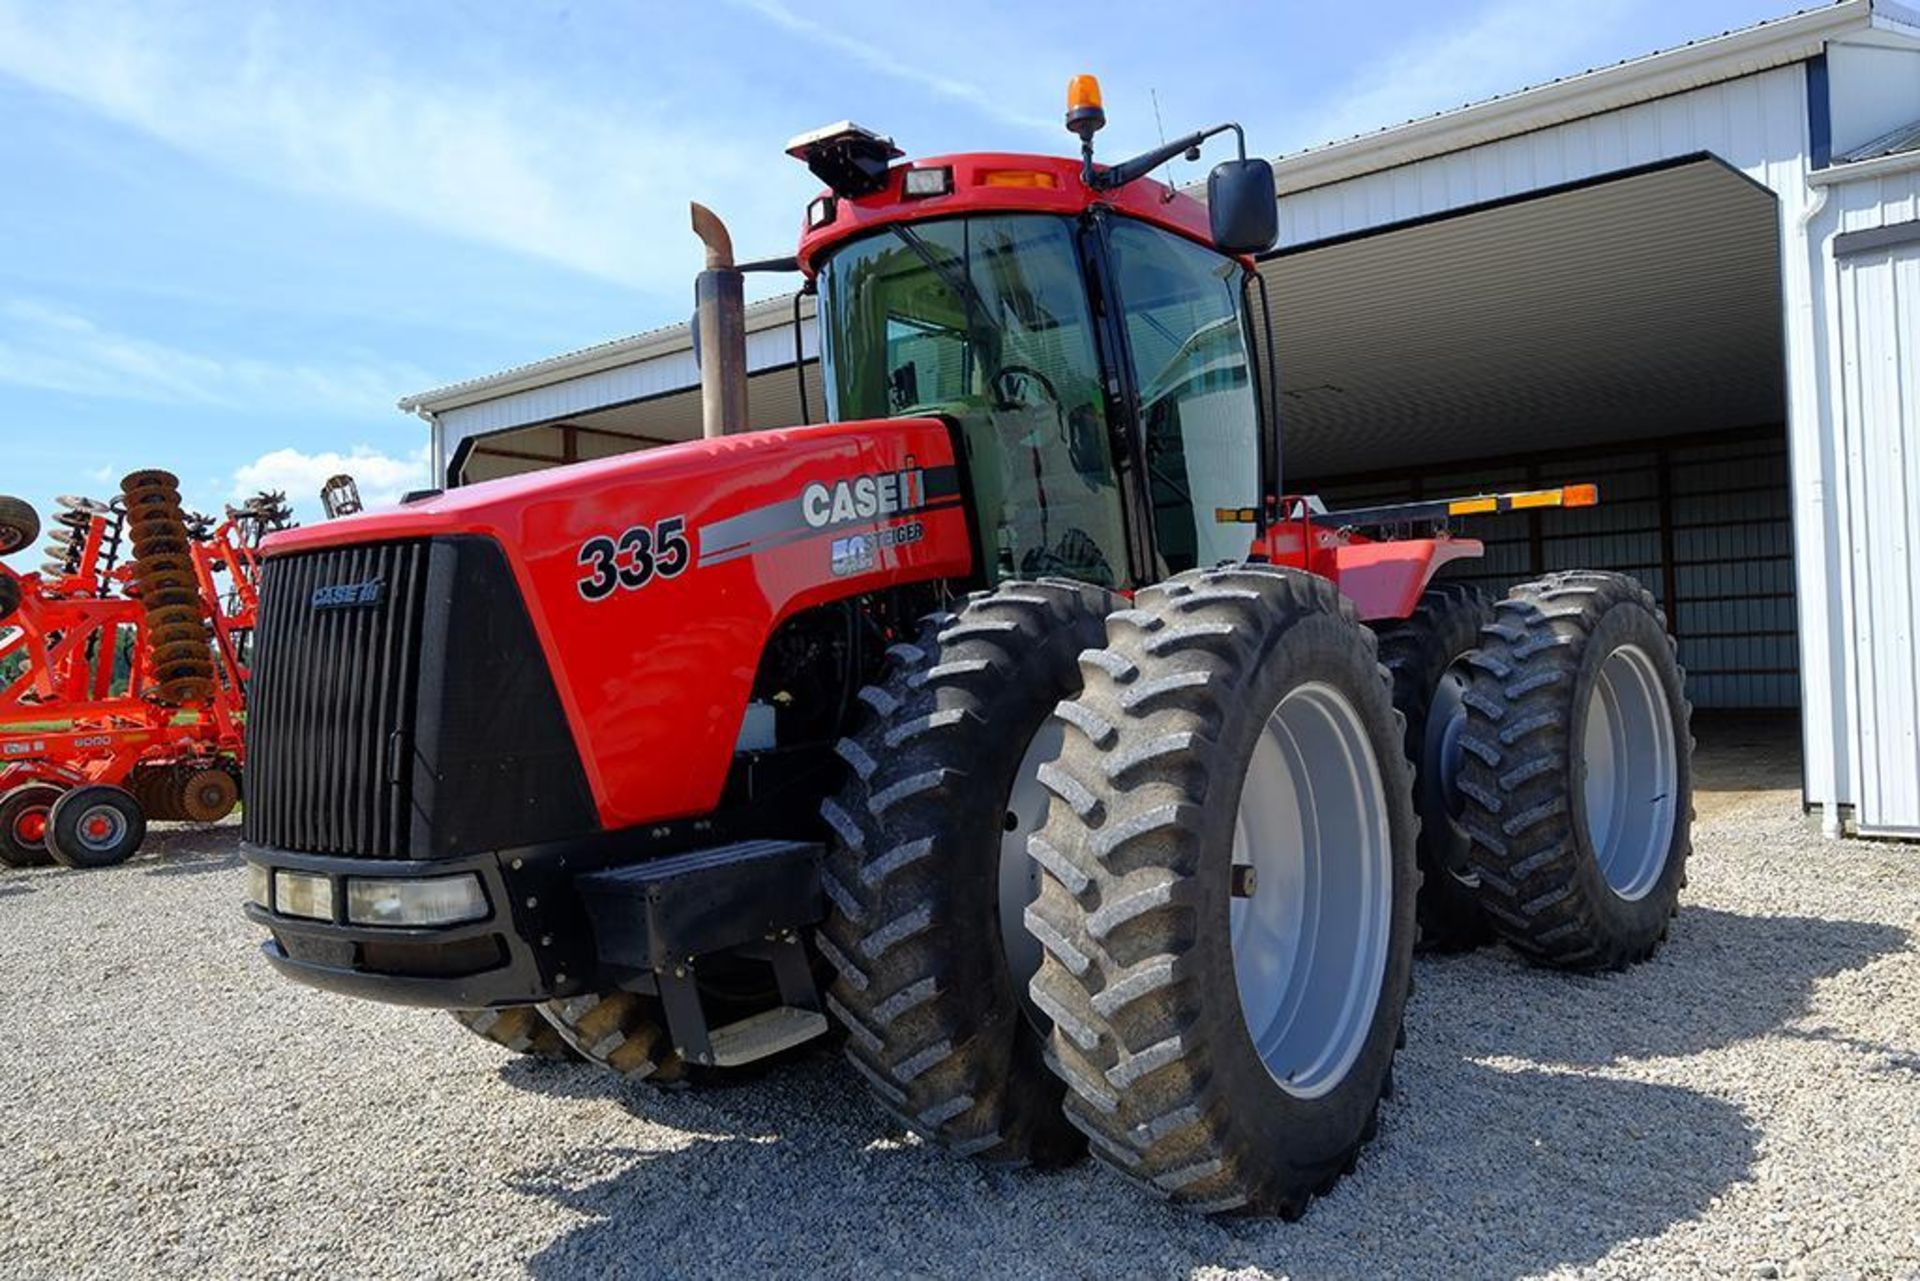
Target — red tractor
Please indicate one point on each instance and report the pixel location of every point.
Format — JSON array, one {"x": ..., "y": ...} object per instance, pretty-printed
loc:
[
  {"x": 123, "y": 670},
  {"x": 1106, "y": 784}
]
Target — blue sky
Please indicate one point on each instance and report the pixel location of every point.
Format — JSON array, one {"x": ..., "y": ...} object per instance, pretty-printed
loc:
[{"x": 232, "y": 235}]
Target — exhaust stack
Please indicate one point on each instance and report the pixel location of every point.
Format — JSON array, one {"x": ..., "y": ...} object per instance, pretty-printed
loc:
[{"x": 720, "y": 330}]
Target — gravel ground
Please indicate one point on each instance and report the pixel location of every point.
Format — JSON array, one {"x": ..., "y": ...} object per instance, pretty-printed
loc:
[{"x": 1746, "y": 1105}]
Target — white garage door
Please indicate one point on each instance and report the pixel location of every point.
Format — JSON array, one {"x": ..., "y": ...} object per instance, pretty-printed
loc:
[{"x": 1880, "y": 341}]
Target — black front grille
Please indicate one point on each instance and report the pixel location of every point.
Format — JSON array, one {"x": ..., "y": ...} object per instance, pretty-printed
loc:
[{"x": 331, "y": 703}]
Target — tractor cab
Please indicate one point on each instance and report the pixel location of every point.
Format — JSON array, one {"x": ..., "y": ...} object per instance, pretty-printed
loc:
[{"x": 1087, "y": 332}]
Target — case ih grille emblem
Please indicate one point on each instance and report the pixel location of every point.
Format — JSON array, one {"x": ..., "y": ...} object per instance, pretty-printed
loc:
[{"x": 349, "y": 595}]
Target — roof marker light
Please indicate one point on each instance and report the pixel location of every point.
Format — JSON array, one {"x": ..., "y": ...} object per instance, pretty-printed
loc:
[{"x": 1030, "y": 178}]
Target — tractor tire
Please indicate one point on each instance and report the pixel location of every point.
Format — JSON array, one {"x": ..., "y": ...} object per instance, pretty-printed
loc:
[
  {"x": 95, "y": 826},
  {"x": 23, "y": 824},
  {"x": 1423, "y": 653},
  {"x": 520, "y": 1028},
  {"x": 19, "y": 524},
  {"x": 207, "y": 795},
  {"x": 1227, "y": 898},
  {"x": 1578, "y": 771},
  {"x": 623, "y": 1031},
  {"x": 9, "y": 597},
  {"x": 928, "y": 878}
]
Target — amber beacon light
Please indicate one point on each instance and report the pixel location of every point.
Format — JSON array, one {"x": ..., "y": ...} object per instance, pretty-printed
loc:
[{"x": 1085, "y": 114}]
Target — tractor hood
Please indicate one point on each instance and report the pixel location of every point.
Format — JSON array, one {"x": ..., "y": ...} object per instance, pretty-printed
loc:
[{"x": 652, "y": 580}]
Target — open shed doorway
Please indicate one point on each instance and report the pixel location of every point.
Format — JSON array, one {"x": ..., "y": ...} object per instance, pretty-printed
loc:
[{"x": 1627, "y": 332}]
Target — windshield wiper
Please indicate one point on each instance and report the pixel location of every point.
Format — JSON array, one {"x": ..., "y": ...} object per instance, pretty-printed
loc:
[{"x": 952, "y": 274}]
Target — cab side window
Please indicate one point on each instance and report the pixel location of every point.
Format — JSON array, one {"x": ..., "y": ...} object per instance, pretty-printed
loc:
[{"x": 1198, "y": 409}]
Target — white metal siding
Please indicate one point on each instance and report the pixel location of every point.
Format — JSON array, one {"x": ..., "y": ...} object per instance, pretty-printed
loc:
[
  {"x": 1880, "y": 374},
  {"x": 1757, "y": 124}
]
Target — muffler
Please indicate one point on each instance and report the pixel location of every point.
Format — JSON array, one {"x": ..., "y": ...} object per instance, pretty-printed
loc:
[{"x": 720, "y": 330}]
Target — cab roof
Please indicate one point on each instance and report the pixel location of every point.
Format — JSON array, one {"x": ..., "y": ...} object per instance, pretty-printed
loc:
[{"x": 992, "y": 182}]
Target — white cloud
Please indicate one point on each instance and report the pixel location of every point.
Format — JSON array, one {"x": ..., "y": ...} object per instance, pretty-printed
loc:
[
  {"x": 893, "y": 63},
  {"x": 1499, "y": 47},
  {"x": 382, "y": 478},
  {"x": 597, "y": 186},
  {"x": 55, "y": 349}
]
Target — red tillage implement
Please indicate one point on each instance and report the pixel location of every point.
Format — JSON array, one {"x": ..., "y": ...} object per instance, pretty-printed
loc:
[{"x": 123, "y": 668}]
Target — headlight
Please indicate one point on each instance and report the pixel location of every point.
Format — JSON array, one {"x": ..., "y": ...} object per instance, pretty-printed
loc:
[
  {"x": 303, "y": 894},
  {"x": 260, "y": 886},
  {"x": 439, "y": 900}
]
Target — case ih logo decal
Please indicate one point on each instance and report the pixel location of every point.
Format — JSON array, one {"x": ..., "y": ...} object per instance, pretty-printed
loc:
[
  {"x": 863, "y": 497},
  {"x": 349, "y": 595},
  {"x": 634, "y": 559},
  {"x": 824, "y": 505}
]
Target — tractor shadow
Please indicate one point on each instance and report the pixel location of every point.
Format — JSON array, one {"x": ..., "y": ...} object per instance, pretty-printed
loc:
[
  {"x": 1720, "y": 978},
  {"x": 800, "y": 1173},
  {"x": 1479, "y": 1170},
  {"x": 188, "y": 850}
]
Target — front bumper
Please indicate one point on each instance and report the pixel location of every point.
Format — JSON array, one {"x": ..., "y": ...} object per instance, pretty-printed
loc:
[{"x": 533, "y": 944}]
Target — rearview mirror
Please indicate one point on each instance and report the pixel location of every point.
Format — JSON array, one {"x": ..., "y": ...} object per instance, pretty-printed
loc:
[{"x": 1244, "y": 206}]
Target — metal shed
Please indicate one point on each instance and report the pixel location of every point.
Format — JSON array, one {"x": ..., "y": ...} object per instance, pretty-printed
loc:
[{"x": 1693, "y": 277}]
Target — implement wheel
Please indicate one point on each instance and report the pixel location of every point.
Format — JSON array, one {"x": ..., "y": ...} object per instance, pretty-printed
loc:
[
  {"x": 1578, "y": 771},
  {"x": 1424, "y": 654},
  {"x": 1227, "y": 902},
  {"x": 520, "y": 1028},
  {"x": 928, "y": 875},
  {"x": 95, "y": 826},
  {"x": 19, "y": 524},
  {"x": 23, "y": 824}
]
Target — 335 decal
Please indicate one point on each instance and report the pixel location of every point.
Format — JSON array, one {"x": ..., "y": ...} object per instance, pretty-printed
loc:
[{"x": 634, "y": 558}]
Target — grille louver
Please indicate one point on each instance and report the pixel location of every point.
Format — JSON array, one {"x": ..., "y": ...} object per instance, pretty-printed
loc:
[{"x": 332, "y": 701}]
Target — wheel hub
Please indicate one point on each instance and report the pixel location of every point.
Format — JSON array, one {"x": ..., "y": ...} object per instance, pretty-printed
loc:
[
  {"x": 1631, "y": 772},
  {"x": 100, "y": 828},
  {"x": 1310, "y": 936}
]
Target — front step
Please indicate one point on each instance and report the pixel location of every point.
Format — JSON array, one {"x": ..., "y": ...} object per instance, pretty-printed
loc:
[{"x": 764, "y": 1034}]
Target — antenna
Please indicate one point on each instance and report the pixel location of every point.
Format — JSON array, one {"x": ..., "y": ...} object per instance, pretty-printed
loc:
[{"x": 1172, "y": 186}]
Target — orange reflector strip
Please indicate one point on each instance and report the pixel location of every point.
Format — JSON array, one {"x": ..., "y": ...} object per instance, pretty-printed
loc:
[
  {"x": 1017, "y": 178},
  {"x": 1535, "y": 498},
  {"x": 1582, "y": 495},
  {"x": 1472, "y": 506},
  {"x": 1235, "y": 516}
]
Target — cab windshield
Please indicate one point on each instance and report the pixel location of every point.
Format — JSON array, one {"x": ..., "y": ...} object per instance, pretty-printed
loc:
[{"x": 985, "y": 320}]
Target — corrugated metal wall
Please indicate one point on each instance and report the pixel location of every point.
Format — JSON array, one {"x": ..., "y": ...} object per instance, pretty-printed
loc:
[
  {"x": 1880, "y": 376},
  {"x": 1705, "y": 525}
]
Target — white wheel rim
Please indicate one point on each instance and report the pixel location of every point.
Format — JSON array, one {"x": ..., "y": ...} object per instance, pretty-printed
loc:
[
  {"x": 1631, "y": 772},
  {"x": 1019, "y": 875},
  {"x": 1310, "y": 941},
  {"x": 100, "y": 828}
]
